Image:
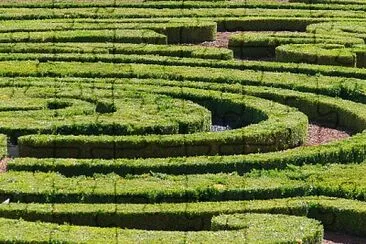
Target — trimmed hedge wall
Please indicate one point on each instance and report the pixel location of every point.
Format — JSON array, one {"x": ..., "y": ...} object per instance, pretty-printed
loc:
[
  {"x": 322, "y": 54},
  {"x": 3, "y": 145},
  {"x": 278, "y": 130},
  {"x": 270, "y": 225},
  {"x": 37, "y": 112},
  {"x": 279, "y": 228},
  {"x": 306, "y": 102},
  {"x": 129, "y": 36},
  {"x": 346, "y": 151},
  {"x": 335, "y": 180},
  {"x": 113, "y": 48},
  {"x": 308, "y": 69},
  {"x": 346, "y": 28},
  {"x": 333, "y": 86},
  {"x": 264, "y": 44},
  {"x": 106, "y": 13},
  {"x": 334, "y": 213},
  {"x": 113, "y": 30},
  {"x": 323, "y": 109},
  {"x": 174, "y": 4},
  {"x": 68, "y": 71}
]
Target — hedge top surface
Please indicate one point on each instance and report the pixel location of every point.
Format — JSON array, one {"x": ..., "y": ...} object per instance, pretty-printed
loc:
[
  {"x": 280, "y": 228},
  {"x": 81, "y": 68},
  {"x": 281, "y": 38},
  {"x": 331, "y": 180},
  {"x": 35, "y": 109}
]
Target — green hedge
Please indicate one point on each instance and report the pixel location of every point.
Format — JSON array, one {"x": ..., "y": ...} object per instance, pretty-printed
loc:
[
  {"x": 280, "y": 127},
  {"x": 267, "y": 23},
  {"x": 334, "y": 213},
  {"x": 106, "y": 13},
  {"x": 334, "y": 86},
  {"x": 36, "y": 111},
  {"x": 130, "y": 36},
  {"x": 3, "y": 145},
  {"x": 351, "y": 89},
  {"x": 308, "y": 69},
  {"x": 327, "y": 110},
  {"x": 179, "y": 31},
  {"x": 279, "y": 228},
  {"x": 331, "y": 2},
  {"x": 345, "y": 151},
  {"x": 346, "y": 28},
  {"x": 317, "y": 54},
  {"x": 335, "y": 180},
  {"x": 174, "y": 4},
  {"x": 98, "y": 86},
  {"x": 116, "y": 48},
  {"x": 264, "y": 44},
  {"x": 274, "y": 228},
  {"x": 322, "y": 54},
  {"x": 360, "y": 51}
]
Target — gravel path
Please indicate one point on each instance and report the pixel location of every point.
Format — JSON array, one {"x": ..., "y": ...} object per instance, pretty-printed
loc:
[
  {"x": 222, "y": 40},
  {"x": 3, "y": 164}
]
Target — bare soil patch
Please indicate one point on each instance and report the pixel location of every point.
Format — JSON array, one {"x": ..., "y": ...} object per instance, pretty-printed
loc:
[{"x": 318, "y": 134}]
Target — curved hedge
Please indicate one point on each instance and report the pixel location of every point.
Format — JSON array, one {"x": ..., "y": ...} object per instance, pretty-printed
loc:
[
  {"x": 116, "y": 48},
  {"x": 347, "y": 151},
  {"x": 323, "y": 54},
  {"x": 345, "y": 28},
  {"x": 116, "y": 31},
  {"x": 270, "y": 225},
  {"x": 129, "y": 36},
  {"x": 264, "y": 44},
  {"x": 278, "y": 129},
  {"x": 335, "y": 214},
  {"x": 138, "y": 13},
  {"x": 73, "y": 85},
  {"x": 35, "y": 110},
  {"x": 279, "y": 228},
  {"x": 330, "y": 180}
]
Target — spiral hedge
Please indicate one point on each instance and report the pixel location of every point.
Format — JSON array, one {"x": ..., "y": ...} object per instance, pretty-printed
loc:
[{"x": 128, "y": 131}]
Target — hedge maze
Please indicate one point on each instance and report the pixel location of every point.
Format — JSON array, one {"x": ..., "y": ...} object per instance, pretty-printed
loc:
[{"x": 128, "y": 130}]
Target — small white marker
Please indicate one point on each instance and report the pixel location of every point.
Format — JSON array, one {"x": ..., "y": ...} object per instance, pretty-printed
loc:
[{"x": 7, "y": 201}]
